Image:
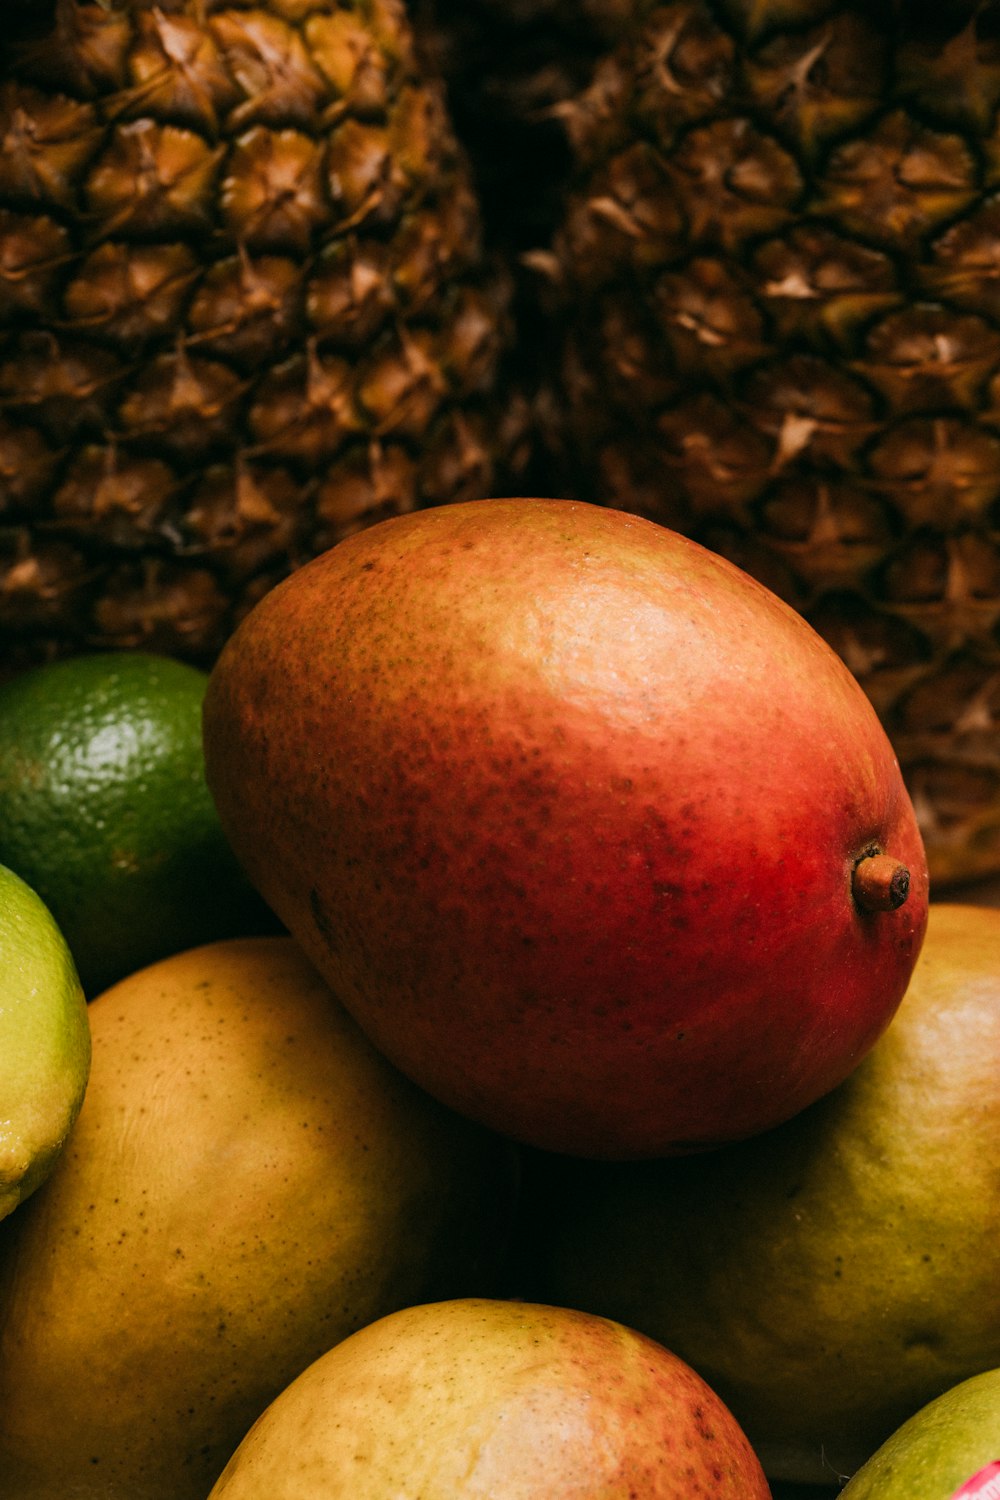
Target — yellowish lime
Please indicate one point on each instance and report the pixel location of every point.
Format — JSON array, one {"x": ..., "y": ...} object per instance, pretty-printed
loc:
[
  {"x": 44, "y": 1041},
  {"x": 950, "y": 1448}
]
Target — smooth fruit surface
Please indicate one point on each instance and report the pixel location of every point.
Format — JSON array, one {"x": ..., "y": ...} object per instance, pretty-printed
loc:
[
  {"x": 950, "y": 1448},
  {"x": 44, "y": 1041},
  {"x": 567, "y": 809},
  {"x": 247, "y": 1183},
  {"x": 105, "y": 812},
  {"x": 832, "y": 1276},
  {"x": 488, "y": 1400}
]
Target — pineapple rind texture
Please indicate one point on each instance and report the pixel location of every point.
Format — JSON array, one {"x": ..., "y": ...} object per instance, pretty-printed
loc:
[
  {"x": 775, "y": 291},
  {"x": 245, "y": 308}
]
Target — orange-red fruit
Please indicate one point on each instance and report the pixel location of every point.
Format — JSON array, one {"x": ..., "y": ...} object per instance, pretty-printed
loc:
[
  {"x": 568, "y": 810},
  {"x": 476, "y": 1399}
]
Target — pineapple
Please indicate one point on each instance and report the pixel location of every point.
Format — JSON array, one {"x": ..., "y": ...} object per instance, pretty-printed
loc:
[
  {"x": 510, "y": 66},
  {"x": 775, "y": 293},
  {"x": 245, "y": 308}
]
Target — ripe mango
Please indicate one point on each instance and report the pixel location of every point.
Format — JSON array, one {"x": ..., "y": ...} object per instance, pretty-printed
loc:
[
  {"x": 247, "y": 1183},
  {"x": 832, "y": 1276},
  {"x": 474, "y": 1399},
  {"x": 597, "y": 838}
]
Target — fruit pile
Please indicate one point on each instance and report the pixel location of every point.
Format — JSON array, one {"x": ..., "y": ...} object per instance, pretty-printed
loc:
[
  {"x": 472, "y": 1018},
  {"x": 272, "y": 270},
  {"x": 581, "y": 1099}
]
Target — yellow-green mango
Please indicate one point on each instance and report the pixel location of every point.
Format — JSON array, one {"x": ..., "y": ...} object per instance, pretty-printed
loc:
[
  {"x": 247, "y": 1183},
  {"x": 835, "y": 1274}
]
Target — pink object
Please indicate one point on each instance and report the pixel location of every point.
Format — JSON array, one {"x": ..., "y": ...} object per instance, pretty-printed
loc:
[{"x": 985, "y": 1485}]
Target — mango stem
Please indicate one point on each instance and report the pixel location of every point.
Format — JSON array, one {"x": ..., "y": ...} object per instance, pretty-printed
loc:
[{"x": 880, "y": 883}]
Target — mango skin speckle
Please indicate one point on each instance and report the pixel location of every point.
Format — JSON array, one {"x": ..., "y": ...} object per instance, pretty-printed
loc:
[
  {"x": 830, "y": 1277},
  {"x": 567, "y": 809},
  {"x": 475, "y": 1399},
  {"x": 247, "y": 1183}
]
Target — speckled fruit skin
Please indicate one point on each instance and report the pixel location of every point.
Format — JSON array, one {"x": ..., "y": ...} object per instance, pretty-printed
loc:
[
  {"x": 566, "y": 809},
  {"x": 484, "y": 1400},
  {"x": 830, "y": 1278},
  {"x": 248, "y": 1182}
]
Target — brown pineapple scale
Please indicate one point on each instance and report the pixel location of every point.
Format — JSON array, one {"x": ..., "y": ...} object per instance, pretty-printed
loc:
[
  {"x": 244, "y": 310},
  {"x": 776, "y": 295}
]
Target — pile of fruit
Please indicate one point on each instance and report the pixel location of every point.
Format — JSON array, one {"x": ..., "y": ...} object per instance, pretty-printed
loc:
[
  {"x": 272, "y": 270},
  {"x": 452, "y": 1049},
  {"x": 473, "y": 1020}
]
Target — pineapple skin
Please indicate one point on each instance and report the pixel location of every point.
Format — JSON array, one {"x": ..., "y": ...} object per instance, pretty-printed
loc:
[
  {"x": 245, "y": 309},
  {"x": 509, "y": 67},
  {"x": 775, "y": 295}
]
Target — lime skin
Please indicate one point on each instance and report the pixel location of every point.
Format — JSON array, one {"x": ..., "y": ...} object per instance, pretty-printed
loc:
[{"x": 105, "y": 812}]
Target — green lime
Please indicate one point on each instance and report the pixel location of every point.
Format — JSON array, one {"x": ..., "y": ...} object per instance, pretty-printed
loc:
[
  {"x": 949, "y": 1449},
  {"x": 44, "y": 1041},
  {"x": 105, "y": 812}
]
